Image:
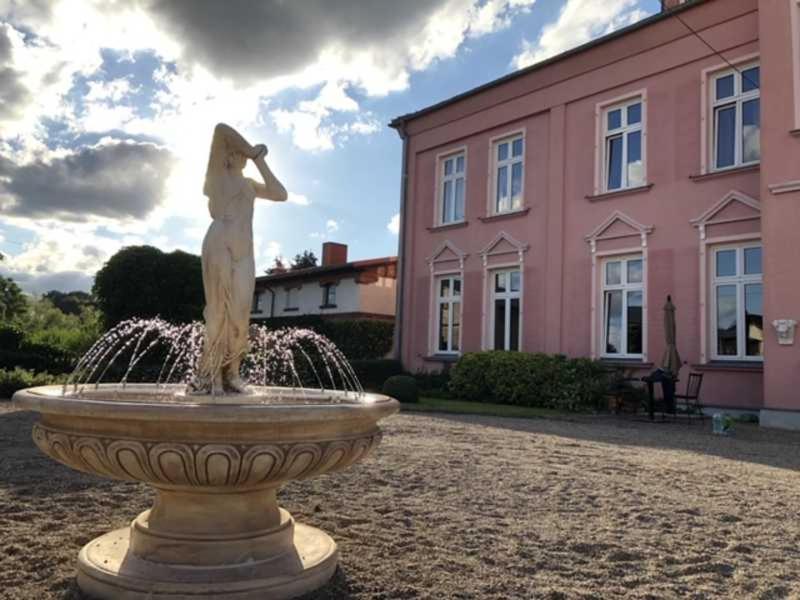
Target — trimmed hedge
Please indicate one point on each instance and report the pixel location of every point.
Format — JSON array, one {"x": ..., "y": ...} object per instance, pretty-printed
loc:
[
  {"x": 372, "y": 373},
  {"x": 17, "y": 379},
  {"x": 402, "y": 388},
  {"x": 358, "y": 339},
  {"x": 525, "y": 379}
]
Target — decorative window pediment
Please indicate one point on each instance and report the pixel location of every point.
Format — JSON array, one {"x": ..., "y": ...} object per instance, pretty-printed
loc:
[
  {"x": 447, "y": 252},
  {"x": 619, "y": 225},
  {"x": 731, "y": 208},
  {"x": 504, "y": 244}
]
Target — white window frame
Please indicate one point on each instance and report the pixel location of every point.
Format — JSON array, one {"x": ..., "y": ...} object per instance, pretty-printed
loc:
[
  {"x": 623, "y": 132},
  {"x": 451, "y": 300},
  {"x": 441, "y": 179},
  {"x": 495, "y": 165},
  {"x": 739, "y": 280},
  {"x": 624, "y": 286},
  {"x": 508, "y": 295},
  {"x": 737, "y": 100},
  {"x": 255, "y": 306},
  {"x": 327, "y": 288},
  {"x": 292, "y": 305}
]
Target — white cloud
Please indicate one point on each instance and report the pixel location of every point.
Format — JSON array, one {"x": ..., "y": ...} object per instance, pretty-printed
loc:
[
  {"x": 300, "y": 199},
  {"x": 579, "y": 21},
  {"x": 394, "y": 224},
  {"x": 331, "y": 226}
]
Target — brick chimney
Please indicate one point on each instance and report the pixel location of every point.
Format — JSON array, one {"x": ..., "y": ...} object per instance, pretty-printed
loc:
[
  {"x": 333, "y": 254},
  {"x": 669, "y": 4}
]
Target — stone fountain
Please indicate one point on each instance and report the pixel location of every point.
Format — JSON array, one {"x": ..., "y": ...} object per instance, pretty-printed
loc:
[{"x": 214, "y": 447}]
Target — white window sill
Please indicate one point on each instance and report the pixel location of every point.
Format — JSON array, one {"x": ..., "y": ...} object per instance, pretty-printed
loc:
[
  {"x": 727, "y": 171},
  {"x": 520, "y": 212},
  {"x": 445, "y": 226}
]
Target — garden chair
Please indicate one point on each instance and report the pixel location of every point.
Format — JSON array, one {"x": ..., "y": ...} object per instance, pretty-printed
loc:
[{"x": 690, "y": 401}]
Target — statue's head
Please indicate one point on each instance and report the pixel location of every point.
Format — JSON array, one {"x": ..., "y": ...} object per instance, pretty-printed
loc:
[{"x": 235, "y": 161}]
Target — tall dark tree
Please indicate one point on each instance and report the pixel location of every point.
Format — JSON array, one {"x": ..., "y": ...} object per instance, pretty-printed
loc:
[
  {"x": 304, "y": 261},
  {"x": 70, "y": 303},
  {"x": 143, "y": 281},
  {"x": 278, "y": 266},
  {"x": 12, "y": 301}
]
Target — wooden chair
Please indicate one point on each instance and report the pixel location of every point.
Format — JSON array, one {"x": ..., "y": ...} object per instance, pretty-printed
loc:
[{"x": 690, "y": 401}]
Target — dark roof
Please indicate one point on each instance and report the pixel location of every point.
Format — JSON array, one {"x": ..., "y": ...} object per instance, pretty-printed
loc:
[
  {"x": 660, "y": 16},
  {"x": 314, "y": 272}
]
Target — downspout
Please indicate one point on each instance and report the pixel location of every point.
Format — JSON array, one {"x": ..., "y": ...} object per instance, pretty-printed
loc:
[{"x": 400, "y": 126}]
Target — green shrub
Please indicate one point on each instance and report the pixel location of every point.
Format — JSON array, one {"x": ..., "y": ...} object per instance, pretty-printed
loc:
[
  {"x": 525, "y": 379},
  {"x": 434, "y": 384},
  {"x": 372, "y": 373},
  {"x": 10, "y": 338},
  {"x": 17, "y": 379},
  {"x": 402, "y": 388}
]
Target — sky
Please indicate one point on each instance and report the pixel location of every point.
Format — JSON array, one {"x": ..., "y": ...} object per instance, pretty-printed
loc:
[{"x": 107, "y": 109}]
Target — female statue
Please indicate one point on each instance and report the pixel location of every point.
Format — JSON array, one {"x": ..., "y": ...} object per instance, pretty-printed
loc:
[{"x": 227, "y": 258}]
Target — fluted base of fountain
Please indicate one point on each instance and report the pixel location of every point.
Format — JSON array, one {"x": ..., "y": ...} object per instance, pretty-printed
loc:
[{"x": 108, "y": 569}]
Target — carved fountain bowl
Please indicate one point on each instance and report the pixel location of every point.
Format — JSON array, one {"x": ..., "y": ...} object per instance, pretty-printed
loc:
[{"x": 167, "y": 438}]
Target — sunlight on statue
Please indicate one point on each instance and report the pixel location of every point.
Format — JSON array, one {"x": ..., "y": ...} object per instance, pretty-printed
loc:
[{"x": 228, "y": 261}]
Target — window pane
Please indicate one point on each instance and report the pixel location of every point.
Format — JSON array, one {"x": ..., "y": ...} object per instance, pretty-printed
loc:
[
  {"x": 634, "y": 322},
  {"x": 444, "y": 325},
  {"x": 751, "y": 131},
  {"x": 614, "y": 119},
  {"x": 726, "y": 263},
  {"x": 752, "y": 261},
  {"x": 455, "y": 335},
  {"x": 635, "y": 271},
  {"x": 460, "y": 164},
  {"x": 613, "y": 311},
  {"x": 751, "y": 79},
  {"x": 516, "y": 185},
  {"x": 516, "y": 147},
  {"x": 513, "y": 325},
  {"x": 726, "y": 136},
  {"x": 502, "y": 151},
  {"x": 502, "y": 189},
  {"x": 332, "y": 294},
  {"x": 613, "y": 273},
  {"x": 634, "y": 113},
  {"x": 456, "y": 287},
  {"x": 635, "y": 164},
  {"x": 499, "y": 324},
  {"x": 614, "y": 160},
  {"x": 444, "y": 288},
  {"x": 726, "y": 320},
  {"x": 754, "y": 319},
  {"x": 458, "y": 209},
  {"x": 448, "y": 166},
  {"x": 725, "y": 87},
  {"x": 447, "y": 202},
  {"x": 514, "y": 280},
  {"x": 500, "y": 282}
]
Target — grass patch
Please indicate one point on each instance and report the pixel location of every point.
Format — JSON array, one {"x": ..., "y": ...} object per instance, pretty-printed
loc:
[{"x": 463, "y": 407}]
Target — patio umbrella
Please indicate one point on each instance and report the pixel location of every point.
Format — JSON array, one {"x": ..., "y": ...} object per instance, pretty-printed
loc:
[{"x": 671, "y": 361}]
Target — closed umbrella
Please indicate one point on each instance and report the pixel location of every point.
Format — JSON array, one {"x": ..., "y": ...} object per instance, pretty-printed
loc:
[{"x": 671, "y": 361}]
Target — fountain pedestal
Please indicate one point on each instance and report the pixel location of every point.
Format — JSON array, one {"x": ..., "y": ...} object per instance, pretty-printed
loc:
[{"x": 215, "y": 529}]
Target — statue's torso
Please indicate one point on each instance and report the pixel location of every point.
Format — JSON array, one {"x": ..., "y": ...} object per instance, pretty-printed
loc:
[{"x": 231, "y": 208}]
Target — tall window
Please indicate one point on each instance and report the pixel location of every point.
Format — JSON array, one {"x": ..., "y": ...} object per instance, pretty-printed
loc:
[
  {"x": 329, "y": 294},
  {"x": 506, "y": 296},
  {"x": 292, "y": 295},
  {"x": 448, "y": 314},
  {"x": 623, "y": 301},
  {"x": 736, "y": 117},
  {"x": 622, "y": 142},
  {"x": 508, "y": 174},
  {"x": 738, "y": 303},
  {"x": 452, "y": 189},
  {"x": 255, "y": 307}
]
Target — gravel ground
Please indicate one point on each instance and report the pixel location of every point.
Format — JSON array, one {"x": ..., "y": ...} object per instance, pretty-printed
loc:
[{"x": 478, "y": 507}]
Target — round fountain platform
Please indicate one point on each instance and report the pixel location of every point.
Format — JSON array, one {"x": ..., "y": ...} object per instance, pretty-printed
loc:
[{"x": 215, "y": 529}]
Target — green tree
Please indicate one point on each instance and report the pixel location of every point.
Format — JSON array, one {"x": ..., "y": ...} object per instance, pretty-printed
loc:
[
  {"x": 143, "y": 281},
  {"x": 304, "y": 261},
  {"x": 70, "y": 303},
  {"x": 278, "y": 266},
  {"x": 45, "y": 324},
  {"x": 12, "y": 301}
]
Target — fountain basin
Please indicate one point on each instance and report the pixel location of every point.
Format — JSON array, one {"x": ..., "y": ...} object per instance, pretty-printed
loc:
[{"x": 215, "y": 529}]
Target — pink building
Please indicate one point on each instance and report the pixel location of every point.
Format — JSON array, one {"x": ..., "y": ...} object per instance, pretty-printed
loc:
[{"x": 555, "y": 209}]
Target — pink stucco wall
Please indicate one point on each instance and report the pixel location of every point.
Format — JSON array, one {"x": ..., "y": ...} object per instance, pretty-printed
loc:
[{"x": 556, "y": 107}]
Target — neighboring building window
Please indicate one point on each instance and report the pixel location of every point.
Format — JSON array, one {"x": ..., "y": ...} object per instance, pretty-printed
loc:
[
  {"x": 737, "y": 303},
  {"x": 329, "y": 294},
  {"x": 505, "y": 311},
  {"x": 452, "y": 189},
  {"x": 256, "y": 306},
  {"x": 292, "y": 295},
  {"x": 508, "y": 174},
  {"x": 736, "y": 117},
  {"x": 448, "y": 314},
  {"x": 623, "y": 301},
  {"x": 623, "y": 151}
]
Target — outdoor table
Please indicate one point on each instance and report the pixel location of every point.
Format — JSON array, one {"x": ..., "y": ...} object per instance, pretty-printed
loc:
[{"x": 668, "y": 390}]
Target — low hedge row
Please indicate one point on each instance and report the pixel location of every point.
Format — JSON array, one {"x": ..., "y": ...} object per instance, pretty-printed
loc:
[
  {"x": 525, "y": 379},
  {"x": 12, "y": 380}
]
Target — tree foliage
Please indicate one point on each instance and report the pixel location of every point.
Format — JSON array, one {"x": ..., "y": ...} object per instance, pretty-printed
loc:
[
  {"x": 143, "y": 281},
  {"x": 305, "y": 260},
  {"x": 278, "y": 266},
  {"x": 12, "y": 301},
  {"x": 70, "y": 303},
  {"x": 44, "y": 324}
]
